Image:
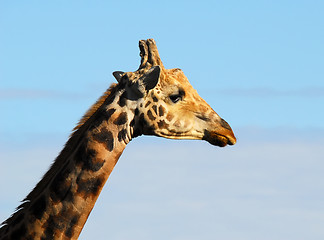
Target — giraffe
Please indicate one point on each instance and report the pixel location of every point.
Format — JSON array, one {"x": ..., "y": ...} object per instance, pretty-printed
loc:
[{"x": 149, "y": 101}]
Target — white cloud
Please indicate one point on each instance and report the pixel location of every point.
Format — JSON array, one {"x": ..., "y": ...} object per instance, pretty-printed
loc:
[
  {"x": 162, "y": 189},
  {"x": 306, "y": 92},
  {"x": 37, "y": 94}
]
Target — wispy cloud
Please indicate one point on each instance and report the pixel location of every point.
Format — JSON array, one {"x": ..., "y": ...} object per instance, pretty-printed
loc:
[
  {"x": 20, "y": 93},
  {"x": 261, "y": 92},
  {"x": 194, "y": 190}
]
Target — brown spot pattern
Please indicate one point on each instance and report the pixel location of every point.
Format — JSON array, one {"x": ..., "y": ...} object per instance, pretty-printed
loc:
[
  {"x": 69, "y": 232},
  {"x": 161, "y": 110},
  {"x": 155, "y": 99},
  {"x": 154, "y": 107},
  {"x": 121, "y": 119},
  {"x": 60, "y": 187},
  {"x": 38, "y": 207},
  {"x": 169, "y": 117},
  {"x": 122, "y": 135},
  {"x": 150, "y": 115},
  {"x": 106, "y": 137},
  {"x": 89, "y": 187},
  {"x": 147, "y": 104},
  {"x": 162, "y": 124},
  {"x": 122, "y": 99}
]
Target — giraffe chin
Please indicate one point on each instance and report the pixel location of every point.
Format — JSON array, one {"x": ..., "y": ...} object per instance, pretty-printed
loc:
[{"x": 217, "y": 139}]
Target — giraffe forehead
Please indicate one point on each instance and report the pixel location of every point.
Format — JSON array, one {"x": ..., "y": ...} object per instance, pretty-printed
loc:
[
  {"x": 175, "y": 76},
  {"x": 176, "y": 80}
]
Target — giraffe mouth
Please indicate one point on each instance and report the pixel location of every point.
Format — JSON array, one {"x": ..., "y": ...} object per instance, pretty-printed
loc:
[
  {"x": 182, "y": 135},
  {"x": 219, "y": 140}
]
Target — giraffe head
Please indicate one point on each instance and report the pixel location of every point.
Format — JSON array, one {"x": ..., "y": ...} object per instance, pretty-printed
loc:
[{"x": 167, "y": 105}]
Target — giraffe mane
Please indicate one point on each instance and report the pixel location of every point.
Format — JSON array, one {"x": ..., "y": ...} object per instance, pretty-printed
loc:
[
  {"x": 61, "y": 159},
  {"x": 94, "y": 108}
]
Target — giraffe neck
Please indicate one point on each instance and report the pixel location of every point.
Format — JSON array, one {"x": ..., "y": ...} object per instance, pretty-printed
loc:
[{"x": 60, "y": 204}]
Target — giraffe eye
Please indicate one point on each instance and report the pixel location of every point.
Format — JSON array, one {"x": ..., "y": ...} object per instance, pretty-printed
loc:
[{"x": 177, "y": 97}]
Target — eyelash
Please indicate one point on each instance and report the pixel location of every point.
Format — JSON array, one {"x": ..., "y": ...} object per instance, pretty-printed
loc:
[{"x": 177, "y": 97}]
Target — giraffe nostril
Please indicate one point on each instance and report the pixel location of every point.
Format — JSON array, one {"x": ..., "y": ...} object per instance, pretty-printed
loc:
[
  {"x": 224, "y": 124},
  {"x": 201, "y": 117}
]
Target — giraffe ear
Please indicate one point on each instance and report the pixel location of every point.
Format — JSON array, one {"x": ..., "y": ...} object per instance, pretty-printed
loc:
[
  {"x": 151, "y": 77},
  {"x": 118, "y": 75}
]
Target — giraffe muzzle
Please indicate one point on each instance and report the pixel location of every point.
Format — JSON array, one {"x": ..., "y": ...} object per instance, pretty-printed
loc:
[{"x": 221, "y": 139}]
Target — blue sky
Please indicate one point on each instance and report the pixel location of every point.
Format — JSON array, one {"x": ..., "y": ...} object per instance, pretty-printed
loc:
[{"x": 259, "y": 64}]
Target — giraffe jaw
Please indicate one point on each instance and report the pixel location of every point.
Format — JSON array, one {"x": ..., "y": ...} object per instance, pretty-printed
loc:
[
  {"x": 212, "y": 137},
  {"x": 179, "y": 136}
]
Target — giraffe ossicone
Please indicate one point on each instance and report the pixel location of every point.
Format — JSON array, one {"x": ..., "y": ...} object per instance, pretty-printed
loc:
[{"x": 151, "y": 101}]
